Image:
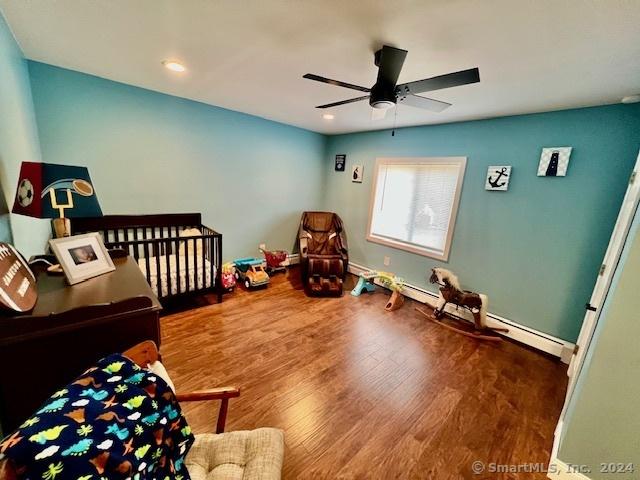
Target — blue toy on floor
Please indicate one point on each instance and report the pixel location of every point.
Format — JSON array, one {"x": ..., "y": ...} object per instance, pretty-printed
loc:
[
  {"x": 363, "y": 285},
  {"x": 389, "y": 280}
]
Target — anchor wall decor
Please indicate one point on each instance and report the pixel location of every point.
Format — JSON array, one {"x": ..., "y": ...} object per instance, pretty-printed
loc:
[{"x": 498, "y": 178}]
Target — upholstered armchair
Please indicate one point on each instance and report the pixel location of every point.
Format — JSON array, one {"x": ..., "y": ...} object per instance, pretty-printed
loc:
[
  {"x": 324, "y": 255},
  {"x": 240, "y": 455}
]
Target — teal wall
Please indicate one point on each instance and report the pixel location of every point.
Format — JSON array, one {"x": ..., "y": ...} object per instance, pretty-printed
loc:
[
  {"x": 535, "y": 250},
  {"x": 602, "y": 421},
  {"x": 18, "y": 143},
  {"x": 153, "y": 153}
]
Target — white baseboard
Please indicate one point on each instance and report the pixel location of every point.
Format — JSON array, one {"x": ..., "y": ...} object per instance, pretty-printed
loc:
[
  {"x": 521, "y": 333},
  {"x": 294, "y": 259},
  {"x": 558, "y": 470}
]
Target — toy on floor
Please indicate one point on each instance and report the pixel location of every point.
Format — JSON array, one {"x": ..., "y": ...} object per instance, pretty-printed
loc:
[
  {"x": 251, "y": 272},
  {"x": 476, "y": 303},
  {"x": 228, "y": 276},
  {"x": 388, "y": 280},
  {"x": 277, "y": 260}
]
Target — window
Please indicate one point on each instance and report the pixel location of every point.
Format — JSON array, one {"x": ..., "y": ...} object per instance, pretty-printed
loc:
[{"x": 414, "y": 203}]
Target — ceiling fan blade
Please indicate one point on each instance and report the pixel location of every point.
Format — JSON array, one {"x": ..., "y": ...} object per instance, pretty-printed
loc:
[
  {"x": 455, "y": 79},
  {"x": 378, "y": 113},
  {"x": 423, "y": 102},
  {"x": 343, "y": 102},
  {"x": 389, "y": 61},
  {"x": 337, "y": 83}
]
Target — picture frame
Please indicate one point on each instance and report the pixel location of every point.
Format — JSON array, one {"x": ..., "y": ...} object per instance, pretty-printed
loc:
[
  {"x": 357, "y": 173},
  {"x": 498, "y": 177},
  {"x": 341, "y": 160},
  {"x": 554, "y": 161},
  {"x": 82, "y": 256}
]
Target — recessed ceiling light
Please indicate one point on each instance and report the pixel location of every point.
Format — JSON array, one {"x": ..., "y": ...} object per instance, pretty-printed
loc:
[
  {"x": 631, "y": 99},
  {"x": 174, "y": 66},
  {"x": 328, "y": 116}
]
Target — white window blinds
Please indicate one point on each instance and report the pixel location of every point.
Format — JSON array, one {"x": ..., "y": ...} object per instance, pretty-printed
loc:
[{"x": 414, "y": 202}]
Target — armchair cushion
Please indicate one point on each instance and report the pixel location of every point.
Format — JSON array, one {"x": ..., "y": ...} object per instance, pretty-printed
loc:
[{"x": 242, "y": 455}]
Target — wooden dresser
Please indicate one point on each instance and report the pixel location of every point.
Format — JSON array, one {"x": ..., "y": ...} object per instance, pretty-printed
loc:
[{"x": 69, "y": 328}]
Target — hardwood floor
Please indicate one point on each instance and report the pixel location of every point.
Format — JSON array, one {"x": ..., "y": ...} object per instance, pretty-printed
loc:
[{"x": 365, "y": 393}]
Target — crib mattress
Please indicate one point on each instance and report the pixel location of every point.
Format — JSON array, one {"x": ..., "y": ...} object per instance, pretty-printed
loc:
[{"x": 204, "y": 279}]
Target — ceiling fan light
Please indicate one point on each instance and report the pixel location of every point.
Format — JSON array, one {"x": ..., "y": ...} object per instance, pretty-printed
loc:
[{"x": 383, "y": 104}]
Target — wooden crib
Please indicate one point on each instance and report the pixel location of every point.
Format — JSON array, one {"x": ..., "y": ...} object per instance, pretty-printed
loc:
[{"x": 175, "y": 259}]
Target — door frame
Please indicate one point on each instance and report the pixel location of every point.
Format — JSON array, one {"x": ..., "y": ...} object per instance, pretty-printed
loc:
[{"x": 610, "y": 264}]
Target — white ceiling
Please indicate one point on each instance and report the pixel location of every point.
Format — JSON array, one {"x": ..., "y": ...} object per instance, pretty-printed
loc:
[{"x": 250, "y": 55}]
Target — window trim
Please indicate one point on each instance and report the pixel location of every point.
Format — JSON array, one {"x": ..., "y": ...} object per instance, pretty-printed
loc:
[{"x": 461, "y": 162}]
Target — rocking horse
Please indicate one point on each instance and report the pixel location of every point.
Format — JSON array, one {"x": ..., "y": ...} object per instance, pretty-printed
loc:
[{"x": 476, "y": 303}]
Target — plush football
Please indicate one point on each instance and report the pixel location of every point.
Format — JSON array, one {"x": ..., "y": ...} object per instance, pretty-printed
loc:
[{"x": 18, "y": 286}]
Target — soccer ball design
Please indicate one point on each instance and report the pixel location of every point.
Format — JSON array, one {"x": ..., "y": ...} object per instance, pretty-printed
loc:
[{"x": 25, "y": 193}]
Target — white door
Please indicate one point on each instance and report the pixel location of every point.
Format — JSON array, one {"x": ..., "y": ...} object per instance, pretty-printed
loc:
[
  {"x": 607, "y": 270},
  {"x": 601, "y": 289}
]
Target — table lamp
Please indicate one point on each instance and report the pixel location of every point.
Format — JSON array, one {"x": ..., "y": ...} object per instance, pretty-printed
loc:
[{"x": 59, "y": 192}]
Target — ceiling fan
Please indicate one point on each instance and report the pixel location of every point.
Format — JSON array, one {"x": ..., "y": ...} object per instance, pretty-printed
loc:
[{"x": 386, "y": 93}]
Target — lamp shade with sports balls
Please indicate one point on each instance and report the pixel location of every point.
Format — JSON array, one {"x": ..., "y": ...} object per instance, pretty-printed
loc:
[{"x": 47, "y": 190}]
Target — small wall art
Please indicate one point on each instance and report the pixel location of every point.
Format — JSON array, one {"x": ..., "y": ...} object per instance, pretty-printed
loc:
[
  {"x": 554, "y": 161},
  {"x": 498, "y": 178},
  {"x": 341, "y": 160},
  {"x": 357, "y": 173}
]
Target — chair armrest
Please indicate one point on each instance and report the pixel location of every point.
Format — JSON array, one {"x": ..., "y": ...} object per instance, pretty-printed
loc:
[
  {"x": 7, "y": 471},
  {"x": 209, "y": 394},
  {"x": 221, "y": 393}
]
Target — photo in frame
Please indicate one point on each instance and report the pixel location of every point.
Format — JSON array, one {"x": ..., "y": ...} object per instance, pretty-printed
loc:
[
  {"x": 82, "y": 256},
  {"x": 341, "y": 160},
  {"x": 357, "y": 173}
]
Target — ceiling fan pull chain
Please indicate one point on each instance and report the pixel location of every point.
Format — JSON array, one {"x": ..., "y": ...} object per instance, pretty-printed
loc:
[{"x": 395, "y": 117}]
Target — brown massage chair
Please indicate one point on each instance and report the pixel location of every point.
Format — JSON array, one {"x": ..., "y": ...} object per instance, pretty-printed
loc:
[{"x": 324, "y": 256}]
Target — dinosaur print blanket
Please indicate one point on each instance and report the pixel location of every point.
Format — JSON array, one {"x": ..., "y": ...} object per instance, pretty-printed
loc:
[{"x": 115, "y": 421}]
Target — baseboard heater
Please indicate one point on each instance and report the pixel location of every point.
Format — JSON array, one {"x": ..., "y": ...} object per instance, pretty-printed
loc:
[
  {"x": 518, "y": 332},
  {"x": 521, "y": 333}
]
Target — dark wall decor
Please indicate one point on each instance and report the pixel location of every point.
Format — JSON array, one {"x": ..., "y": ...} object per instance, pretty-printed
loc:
[{"x": 554, "y": 162}]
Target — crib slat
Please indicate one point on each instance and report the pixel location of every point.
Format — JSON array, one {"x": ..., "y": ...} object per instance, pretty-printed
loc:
[
  {"x": 211, "y": 261},
  {"x": 177, "y": 246},
  {"x": 186, "y": 264},
  {"x": 167, "y": 259},
  {"x": 218, "y": 261},
  {"x": 136, "y": 247},
  {"x": 204, "y": 268},
  {"x": 126, "y": 239},
  {"x": 146, "y": 261},
  {"x": 159, "y": 276},
  {"x": 196, "y": 284}
]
